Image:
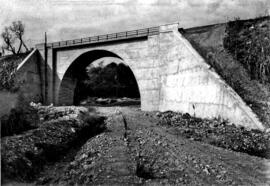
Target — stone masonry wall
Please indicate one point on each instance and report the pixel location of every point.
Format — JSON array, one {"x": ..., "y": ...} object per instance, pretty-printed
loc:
[
  {"x": 141, "y": 56},
  {"x": 189, "y": 85}
]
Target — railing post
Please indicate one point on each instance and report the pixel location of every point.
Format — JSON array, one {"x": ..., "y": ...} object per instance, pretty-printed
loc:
[{"x": 45, "y": 71}]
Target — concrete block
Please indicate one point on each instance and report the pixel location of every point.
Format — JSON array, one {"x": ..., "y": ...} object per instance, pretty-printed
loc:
[
  {"x": 145, "y": 74},
  {"x": 149, "y": 84}
]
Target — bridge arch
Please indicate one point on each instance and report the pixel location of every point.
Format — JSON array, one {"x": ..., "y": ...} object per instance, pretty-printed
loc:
[{"x": 65, "y": 90}]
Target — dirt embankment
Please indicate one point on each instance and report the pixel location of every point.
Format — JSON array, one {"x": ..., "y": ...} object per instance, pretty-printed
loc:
[
  {"x": 218, "y": 133},
  {"x": 131, "y": 147},
  {"x": 209, "y": 42},
  {"x": 136, "y": 150},
  {"x": 23, "y": 156}
]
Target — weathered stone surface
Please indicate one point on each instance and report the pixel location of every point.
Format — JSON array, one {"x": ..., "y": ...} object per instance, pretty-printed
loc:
[{"x": 29, "y": 76}]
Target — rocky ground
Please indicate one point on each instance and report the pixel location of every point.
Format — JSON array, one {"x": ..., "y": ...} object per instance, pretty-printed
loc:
[
  {"x": 218, "y": 133},
  {"x": 95, "y": 101},
  {"x": 138, "y": 148}
]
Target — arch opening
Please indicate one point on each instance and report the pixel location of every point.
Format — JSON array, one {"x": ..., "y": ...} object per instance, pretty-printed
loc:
[{"x": 98, "y": 77}]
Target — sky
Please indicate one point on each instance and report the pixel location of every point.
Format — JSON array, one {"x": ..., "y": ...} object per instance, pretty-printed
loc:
[{"x": 71, "y": 19}]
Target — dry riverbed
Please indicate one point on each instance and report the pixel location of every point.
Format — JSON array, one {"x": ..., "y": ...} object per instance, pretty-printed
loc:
[{"x": 139, "y": 148}]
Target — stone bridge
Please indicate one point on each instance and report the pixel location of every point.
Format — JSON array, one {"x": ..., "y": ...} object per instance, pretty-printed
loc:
[{"x": 170, "y": 74}]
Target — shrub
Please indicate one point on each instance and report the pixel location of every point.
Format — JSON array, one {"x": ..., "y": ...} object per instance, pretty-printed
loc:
[
  {"x": 249, "y": 43},
  {"x": 7, "y": 76},
  {"x": 20, "y": 119}
]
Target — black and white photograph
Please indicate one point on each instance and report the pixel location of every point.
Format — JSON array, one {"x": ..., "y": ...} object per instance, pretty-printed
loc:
[{"x": 135, "y": 92}]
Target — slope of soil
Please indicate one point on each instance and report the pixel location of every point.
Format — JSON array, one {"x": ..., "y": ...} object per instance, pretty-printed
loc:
[
  {"x": 8, "y": 66},
  {"x": 218, "y": 133},
  {"x": 208, "y": 41},
  {"x": 16, "y": 59},
  {"x": 19, "y": 120},
  {"x": 134, "y": 150},
  {"x": 23, "y": 156}
]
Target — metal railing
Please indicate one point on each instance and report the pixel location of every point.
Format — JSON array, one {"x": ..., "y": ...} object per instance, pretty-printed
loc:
[{"x": 107, "y": 37}]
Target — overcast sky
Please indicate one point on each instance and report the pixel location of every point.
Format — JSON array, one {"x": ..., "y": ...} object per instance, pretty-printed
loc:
[{"x": 69, "y": 19}]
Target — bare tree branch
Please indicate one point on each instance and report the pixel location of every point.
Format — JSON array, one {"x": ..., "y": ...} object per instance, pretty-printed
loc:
[
  {"x": 9, "y": 40},
  {"x": 18, "y": 29},
  {"x": 11, "y": 34}
]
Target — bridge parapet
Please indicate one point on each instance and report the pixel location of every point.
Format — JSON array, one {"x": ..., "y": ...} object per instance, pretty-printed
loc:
[
  {"x": 112, "y": 37},
  {"x": 104, "y": 38}
]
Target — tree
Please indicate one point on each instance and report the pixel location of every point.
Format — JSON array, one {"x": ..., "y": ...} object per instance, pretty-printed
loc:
[
  {"x": 9, "y": 40},
  {"x": 18, "y": 29},
  {"x": 12, "y": 34},
  {"x": 112, "y": 80}
]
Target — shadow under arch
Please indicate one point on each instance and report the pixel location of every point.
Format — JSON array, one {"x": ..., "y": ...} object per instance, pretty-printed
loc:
[{"x": 76, "y": 71}]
